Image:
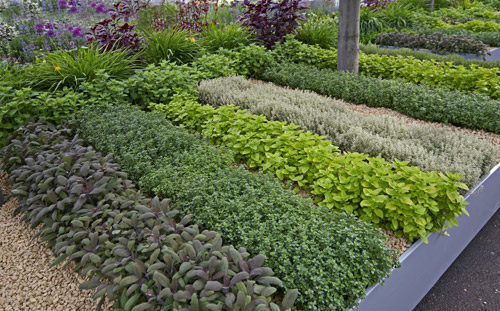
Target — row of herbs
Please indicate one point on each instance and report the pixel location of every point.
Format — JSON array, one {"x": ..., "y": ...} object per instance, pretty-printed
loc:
[
  {"x": 330, "y": 257},
  {"x": 136, "y": 252},
  {"x": 425, "y": 201}
]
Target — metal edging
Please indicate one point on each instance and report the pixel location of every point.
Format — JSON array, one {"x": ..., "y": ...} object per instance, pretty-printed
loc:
[{"x": 423, "y": 264}]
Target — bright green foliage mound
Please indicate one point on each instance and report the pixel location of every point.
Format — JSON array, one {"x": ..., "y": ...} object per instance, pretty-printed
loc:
[
  {"x": 442, "y": 105},
  {"x": 476, "y": 79},
  {"x": 395, "y": 196},
  {"x": 429, "y": 148},
  {"x": 133, "y": 250},
  {"x": 18, "y": 106},
  {"x": 331, "y": 258},
  {"x": 157, "y": 83}
]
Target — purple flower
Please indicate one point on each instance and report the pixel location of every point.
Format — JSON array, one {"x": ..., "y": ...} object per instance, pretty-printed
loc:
[
  {"x": 73, "y": 9},
  {"x": 70, "y": 28},
  {"x": 50, "y": 33},
  {"x": 72, "y": 2},
  {"x": 101, "y": 8},
  {"x": 62, "y": 4},
  {"x": 92, "y": 4},
  {"x": 39, "y": 28},
  {"x": 77, "y": 32},
  {"x": 49, "y": 26}
]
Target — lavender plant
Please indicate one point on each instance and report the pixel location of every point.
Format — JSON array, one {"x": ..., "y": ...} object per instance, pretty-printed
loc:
[{"x": 48, "y": 25}]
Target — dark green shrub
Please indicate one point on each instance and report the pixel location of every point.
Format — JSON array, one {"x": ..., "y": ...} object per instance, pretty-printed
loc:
[
  {"x": 131, "y": 247},
  {"x": 491, "y": 38},
  {"x": 473, "y": 111},
  {"x": 306, "y": 245}
]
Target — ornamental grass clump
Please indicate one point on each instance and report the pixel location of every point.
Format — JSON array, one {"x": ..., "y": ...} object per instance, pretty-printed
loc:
[
  {"x": 71, "y": 68},
  {"x": 136, "y": 252},
  {"x": 176, "y": 45},
  {"x": 330, "y": 257},
  {"x": 428, "y": 147}
]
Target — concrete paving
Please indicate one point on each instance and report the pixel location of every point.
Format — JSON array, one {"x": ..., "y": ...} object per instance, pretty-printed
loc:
[{"x": 472, "y": 283}]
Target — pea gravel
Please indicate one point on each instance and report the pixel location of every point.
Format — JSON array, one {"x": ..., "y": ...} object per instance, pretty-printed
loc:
[{"x": 26, "y": 280}]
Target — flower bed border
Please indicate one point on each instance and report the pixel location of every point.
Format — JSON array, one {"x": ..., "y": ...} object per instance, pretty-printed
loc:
[{"x": 423, "y": 264}]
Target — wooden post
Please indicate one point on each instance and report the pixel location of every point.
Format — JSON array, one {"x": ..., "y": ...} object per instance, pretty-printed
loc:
[{"x": 348, "y": 43}]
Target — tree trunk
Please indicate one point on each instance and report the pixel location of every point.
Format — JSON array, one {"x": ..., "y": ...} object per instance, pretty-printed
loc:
[
  {"x": 348, "y": 43},
  {"x": 432, "y": 5}
]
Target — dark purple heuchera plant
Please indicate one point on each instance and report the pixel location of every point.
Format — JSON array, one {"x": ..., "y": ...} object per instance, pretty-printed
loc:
[
  {"x": 193, "y": 15},
  {"x": 115, "y": 31},
  {"x": 376, "y": 4},
  {"x": 272, "y": 21}
]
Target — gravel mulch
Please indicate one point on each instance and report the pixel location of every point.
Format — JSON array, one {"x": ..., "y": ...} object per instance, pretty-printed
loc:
[{"x": 26, "y": 280}]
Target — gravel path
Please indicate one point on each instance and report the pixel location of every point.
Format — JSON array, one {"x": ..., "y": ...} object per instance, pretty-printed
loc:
[{"x": 26, "y": 280}]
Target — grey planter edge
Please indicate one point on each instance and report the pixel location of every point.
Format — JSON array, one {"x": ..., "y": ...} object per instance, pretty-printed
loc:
[{"x": 423, "y": 264}]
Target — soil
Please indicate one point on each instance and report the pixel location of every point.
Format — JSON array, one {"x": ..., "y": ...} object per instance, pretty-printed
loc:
[{"x": 26, "y": 280}]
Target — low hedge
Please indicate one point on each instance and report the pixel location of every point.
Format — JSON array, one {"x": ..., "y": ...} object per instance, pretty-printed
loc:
[
  {"x": 393, "y": 195},
  {"x": 452, "y": 58},
  {"x": 130, "y": 247},
  {"x": 429, "y": 148},
  {"x": 436, "y": 42},
  {"x": 330, "y": 257},
  {"x": 422, "y": 102},
  {"x": 472, "y": 79}
]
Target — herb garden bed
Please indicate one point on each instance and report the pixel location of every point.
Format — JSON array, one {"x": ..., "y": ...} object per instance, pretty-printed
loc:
[
  {"x": 423, "y": 264},
  {"x": 493, "y": 54}
]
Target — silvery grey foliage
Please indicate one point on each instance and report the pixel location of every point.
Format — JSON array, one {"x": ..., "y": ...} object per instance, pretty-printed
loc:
[{"x": 429, "y": 147}]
